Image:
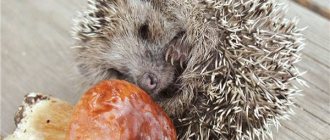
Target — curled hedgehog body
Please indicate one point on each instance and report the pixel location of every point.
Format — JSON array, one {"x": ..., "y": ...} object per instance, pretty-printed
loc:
[{"x": 220, "y": 69}]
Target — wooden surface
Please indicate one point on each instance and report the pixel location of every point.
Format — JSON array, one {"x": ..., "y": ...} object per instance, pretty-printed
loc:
[
  {"x": 35, "y": 52},
  {"x": 35, "y": 48},
  {"x": 321, "y": 7}
]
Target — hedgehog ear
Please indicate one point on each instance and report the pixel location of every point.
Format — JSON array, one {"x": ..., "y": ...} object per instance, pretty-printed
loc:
[{"x": 98, "y": 21}]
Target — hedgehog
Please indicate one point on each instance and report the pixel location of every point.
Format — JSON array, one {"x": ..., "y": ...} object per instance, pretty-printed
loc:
[{"x": 221, "y": 69}]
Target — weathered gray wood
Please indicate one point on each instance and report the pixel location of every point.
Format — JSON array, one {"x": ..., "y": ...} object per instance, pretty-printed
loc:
[
  {"x": 311, "y": 120},
  {"x": 317, "y": 74},
  {"x": 317, "y": 34},
  {"x": 35, "y": 53},
  {"x": 321, "y": 7},
  {"x": 318, "y": 31},
  {"x": 324, "y": 3},
  {"x": 36, "y": 57}
]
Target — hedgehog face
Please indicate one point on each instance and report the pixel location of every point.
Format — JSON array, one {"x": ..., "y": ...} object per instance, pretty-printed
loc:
[{"x": 129, "y": 40}]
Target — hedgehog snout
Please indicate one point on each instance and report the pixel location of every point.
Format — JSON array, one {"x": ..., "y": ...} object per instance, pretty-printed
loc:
[{"x": 148, "y": 82}]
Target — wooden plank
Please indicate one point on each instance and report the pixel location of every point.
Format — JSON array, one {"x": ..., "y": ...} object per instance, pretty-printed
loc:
[
  {"x": 317, "y": 33},
  {"x": 311, "y": 121},
  {"x": 317, "y": 74},
  {"x": 317, "y": 50},
  {"x": 318, "y": 30},
  {"x": 303, "y": 126},
  {"x": 36, "y": 53},
  {"x": 321, "y": 7},
  {"x": 324, "y": 3},
  {"x": 287, "y": 135}
]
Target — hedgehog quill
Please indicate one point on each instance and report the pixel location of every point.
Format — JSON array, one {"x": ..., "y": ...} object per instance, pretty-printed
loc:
[{"x": 220, "y": 69}]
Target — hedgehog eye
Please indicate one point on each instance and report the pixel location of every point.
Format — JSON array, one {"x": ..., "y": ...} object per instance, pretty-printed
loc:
[
  {"x": 144, "y": 31},
  {"x": 112, "y": 71}
]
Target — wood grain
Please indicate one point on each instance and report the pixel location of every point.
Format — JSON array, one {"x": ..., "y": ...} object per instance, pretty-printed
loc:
[
  {"x": 36, "y": 56},
  {"x": 321, "y": 7},
  {"x": 311, "y": 121},
  {"x": 35, "y": 50},
  {"x": 318, "y": 28}
]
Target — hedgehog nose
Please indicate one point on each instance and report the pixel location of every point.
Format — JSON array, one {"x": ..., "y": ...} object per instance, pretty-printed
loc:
[{"x": 149, "y": 81}]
